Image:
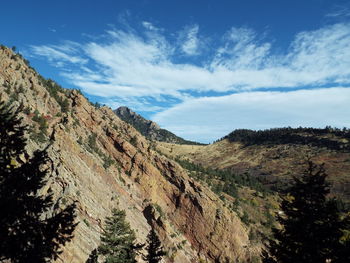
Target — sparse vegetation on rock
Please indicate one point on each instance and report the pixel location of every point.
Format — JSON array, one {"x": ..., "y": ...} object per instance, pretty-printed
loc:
[{"x": 57, "y": 92}]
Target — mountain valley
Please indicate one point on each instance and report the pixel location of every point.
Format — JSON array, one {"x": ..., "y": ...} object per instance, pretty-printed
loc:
[{"x": 208, "y": 203}]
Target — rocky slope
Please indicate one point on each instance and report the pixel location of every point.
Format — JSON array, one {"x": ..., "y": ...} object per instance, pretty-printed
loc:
[
  {"x": 147, "y": 128},
  {"x": 102, "y": 162}
]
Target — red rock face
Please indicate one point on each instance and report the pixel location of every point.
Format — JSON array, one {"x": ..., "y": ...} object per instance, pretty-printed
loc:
[{"x": 192, "y": 222}]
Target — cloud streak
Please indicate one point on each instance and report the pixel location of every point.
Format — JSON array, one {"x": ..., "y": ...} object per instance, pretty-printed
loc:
[
  {"x": 134, "y": 65},
  {"x": 60, "y": 55},
  {"x": 340, "y": 12},
  {"x": 150, "y": 70},
  {"x": 188, "y": 40}
]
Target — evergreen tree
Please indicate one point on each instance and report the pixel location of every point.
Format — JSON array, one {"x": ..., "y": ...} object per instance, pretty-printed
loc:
[
  {"x": 312, "y": 226},
  {"x": 118, "y": 240},
  {"x": 26, "y": 234},
  {"x": 93, "y": 257},
  {"x": 154, "y": 248}
]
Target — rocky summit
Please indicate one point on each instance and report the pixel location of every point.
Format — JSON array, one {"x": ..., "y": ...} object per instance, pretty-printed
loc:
[{"x": 149, "y": 129}]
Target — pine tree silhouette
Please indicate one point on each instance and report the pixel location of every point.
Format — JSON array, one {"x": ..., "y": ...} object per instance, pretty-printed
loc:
[
  {"x": 27, "y": 233},
  {"x": 154, "y": 248},
  {"x": 312, "y": 225},
  {"x": 93, "y": 257},
  {"x": 118, "y": 240}
]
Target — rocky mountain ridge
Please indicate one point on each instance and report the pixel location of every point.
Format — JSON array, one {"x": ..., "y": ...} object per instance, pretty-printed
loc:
[
  {"x": 102, "y": 162},
  {"x": 149, "y": 129}
]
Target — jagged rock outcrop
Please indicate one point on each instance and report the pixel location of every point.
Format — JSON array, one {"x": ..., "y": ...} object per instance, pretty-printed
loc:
[
  {"x": 147, "y": 128},
  {"x": 102, "y": 162}
]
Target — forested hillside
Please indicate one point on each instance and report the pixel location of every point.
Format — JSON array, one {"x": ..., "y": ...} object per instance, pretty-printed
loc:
[{"x": 330, "y": 138}]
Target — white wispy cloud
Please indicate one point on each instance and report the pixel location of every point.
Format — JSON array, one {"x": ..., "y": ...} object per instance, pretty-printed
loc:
[
  {"x": 209, "y": 118},
  {"x": 241, "y": 51},
  {"x": 149, "y": 26},
  {"x": 321, "y": 55},
  {"x": 339, "y": 12},
  {"x": 140, "y": 68},
  {"x": 189, "y": 41},
  {"x": 60, "y": 54},
  {"x": 135, "y": 65}
]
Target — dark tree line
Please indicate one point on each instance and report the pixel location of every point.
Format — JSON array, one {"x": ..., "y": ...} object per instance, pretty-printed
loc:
[
  {"x": 303, "y": 136},
  {"x": 27, "y": 232}
]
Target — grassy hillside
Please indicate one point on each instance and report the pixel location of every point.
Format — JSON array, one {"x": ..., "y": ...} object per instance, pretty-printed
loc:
[{"x": 273, "y": 156}]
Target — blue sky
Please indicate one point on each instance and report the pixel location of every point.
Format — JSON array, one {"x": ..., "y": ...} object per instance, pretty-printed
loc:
[{"x": 199, "y": 68}]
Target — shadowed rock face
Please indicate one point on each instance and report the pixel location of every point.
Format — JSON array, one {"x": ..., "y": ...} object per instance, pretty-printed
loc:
[
  {"x": 147, "y": 128},
  {"x": 102, "y": 162}
]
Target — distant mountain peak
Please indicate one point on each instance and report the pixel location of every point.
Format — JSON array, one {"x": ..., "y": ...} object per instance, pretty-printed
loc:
[
  {"x": 148, "y": 128},
  {"x": 126, "y": 112}
]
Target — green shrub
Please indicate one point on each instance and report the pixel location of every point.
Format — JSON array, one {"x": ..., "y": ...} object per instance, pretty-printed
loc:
[
  {"x": 159, "y": 210},
  {"x": 107, "y": 161},
  {"x": 54, "y": 89},
  {"x": 245, "y": 218},
  {"x": 91, "y": 142},
  {"x": 80, "y": 140},
  {"x": 133, "y": 141},
  {"x": 121, "y": 179},
  {"x": 86, "y": 222},
  {"x": 41, "y": 135},
  {"x": 27, "y": 110},
  {"x": 38, "y": 137}
]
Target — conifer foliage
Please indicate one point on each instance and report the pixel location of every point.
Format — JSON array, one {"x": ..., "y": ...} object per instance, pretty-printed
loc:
[
  {"x": 154, "y": 248},
  {"x": 93, "y": 257},
  {"x": 26, "y": 234},
  {"x": 118, "y": 241},
  {"x": 312, "y": 225}
]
